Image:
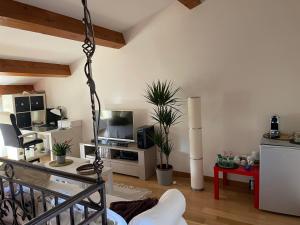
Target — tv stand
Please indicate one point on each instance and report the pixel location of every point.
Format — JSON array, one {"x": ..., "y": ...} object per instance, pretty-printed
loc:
[
  {"x": 119, "y": 143},
  {"x": 112, "y": 143},
  {"x": 128, "y": 160}
]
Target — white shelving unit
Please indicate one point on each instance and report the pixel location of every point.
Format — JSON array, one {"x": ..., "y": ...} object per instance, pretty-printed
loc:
[{"x": 29, "y": 109}]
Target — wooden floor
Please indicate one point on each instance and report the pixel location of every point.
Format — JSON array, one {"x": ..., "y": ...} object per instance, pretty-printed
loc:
[{"x": 234, "y": 207}]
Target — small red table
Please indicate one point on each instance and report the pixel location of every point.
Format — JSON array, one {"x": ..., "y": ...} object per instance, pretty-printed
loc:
[{"x": 253, "y": 172}]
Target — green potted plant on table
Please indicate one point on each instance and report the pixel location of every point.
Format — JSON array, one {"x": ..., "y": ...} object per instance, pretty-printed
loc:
[
  {"x": 60, "y": 151},
  {"x": 166, "y": 114}
]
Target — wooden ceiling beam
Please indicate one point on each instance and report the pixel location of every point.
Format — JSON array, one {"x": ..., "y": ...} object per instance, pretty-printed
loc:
[
  {"x": 190, "y": 3},
  {"x": 25, "y": 17},
  {"x": 14, "y": 89},
  {"x": 32, "y": 69}
]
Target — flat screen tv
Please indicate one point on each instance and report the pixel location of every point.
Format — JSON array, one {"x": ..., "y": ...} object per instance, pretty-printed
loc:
[{"x": 116, "y": 125}]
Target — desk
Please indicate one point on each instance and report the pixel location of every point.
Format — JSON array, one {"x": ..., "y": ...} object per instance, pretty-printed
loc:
[
  {"x": 253, "y": 172},
  {"x": 73, "y": 133}
]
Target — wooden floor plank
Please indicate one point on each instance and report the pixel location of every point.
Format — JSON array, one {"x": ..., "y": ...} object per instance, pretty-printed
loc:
[{"x": 235, "y": 206}]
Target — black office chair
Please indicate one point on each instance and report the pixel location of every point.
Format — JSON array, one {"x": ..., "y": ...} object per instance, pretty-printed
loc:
[{"x": 13, "y": 137}]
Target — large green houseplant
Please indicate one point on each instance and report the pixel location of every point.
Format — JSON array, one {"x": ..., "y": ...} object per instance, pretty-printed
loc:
[{"x": 162, "y": 95}]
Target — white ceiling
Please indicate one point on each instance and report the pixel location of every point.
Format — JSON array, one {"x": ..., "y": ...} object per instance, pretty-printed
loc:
[
  {"x": 24, "y": 45},
  {"x": 18, "y": 80},
  {"x": 118, "y": 15}
]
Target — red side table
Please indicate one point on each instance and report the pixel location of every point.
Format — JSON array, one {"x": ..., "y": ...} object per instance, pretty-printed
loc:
[{"x": 253, "y": 172}]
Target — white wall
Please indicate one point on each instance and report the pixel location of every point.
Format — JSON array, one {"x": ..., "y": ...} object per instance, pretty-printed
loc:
[{"x": 241, "y": 56}]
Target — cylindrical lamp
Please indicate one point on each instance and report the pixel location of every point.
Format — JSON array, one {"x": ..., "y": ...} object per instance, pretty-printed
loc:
[{"x": 195, "y": 138}]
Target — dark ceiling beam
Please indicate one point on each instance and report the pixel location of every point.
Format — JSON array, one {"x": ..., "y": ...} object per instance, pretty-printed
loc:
[
  {"x": 32, "y": 69},
  {"x": 190, "y": 3},
  {"x": 14, "y": 89},
  {"x": 25, "y": 17}
]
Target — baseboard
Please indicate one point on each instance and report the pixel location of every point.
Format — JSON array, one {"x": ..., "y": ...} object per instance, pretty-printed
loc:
[
  {"x": 182, "y": 174},
  {"x": 210, "y": 179}
]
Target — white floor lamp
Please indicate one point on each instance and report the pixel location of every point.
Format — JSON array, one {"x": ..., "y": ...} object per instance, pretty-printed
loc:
[{"x": 195, "y": 138}]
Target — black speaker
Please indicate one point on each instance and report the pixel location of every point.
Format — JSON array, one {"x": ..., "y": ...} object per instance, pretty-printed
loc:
[{"x": 145, "y": 136}]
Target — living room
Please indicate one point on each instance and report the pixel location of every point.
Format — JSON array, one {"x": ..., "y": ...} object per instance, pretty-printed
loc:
[{"x": 239, "y": 57}]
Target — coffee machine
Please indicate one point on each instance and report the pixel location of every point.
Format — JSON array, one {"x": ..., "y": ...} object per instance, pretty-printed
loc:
[{"x": 274, "y": 132}]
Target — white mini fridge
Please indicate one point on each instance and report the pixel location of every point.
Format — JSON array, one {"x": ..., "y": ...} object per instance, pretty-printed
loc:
[{"x": 280, "y": 177}]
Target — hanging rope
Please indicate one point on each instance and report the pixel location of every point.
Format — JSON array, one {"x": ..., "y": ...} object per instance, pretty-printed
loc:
[{"x": 89, "y": 48}]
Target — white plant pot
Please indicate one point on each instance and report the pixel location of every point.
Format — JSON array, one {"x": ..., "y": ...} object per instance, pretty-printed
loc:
[
  {"x": 61, "y": 159},
  {"x": 164, "y": 176}
]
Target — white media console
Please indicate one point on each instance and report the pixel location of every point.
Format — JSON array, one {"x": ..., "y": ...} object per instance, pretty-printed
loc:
[{"x": 141, "y": 163}]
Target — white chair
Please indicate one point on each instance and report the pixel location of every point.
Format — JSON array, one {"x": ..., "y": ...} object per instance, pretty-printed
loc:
[{"x": 168, "y": 211}]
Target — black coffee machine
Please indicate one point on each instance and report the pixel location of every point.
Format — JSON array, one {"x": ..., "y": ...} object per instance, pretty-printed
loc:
[{"x": 274, "y": 132}]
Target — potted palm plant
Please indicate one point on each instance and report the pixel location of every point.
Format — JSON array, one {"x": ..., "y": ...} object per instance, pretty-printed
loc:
[
  {"x": 60, "y": 151},
  {"x": 162, "y": 95}
]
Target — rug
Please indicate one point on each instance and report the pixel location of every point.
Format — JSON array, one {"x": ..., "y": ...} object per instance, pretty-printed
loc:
[{"x": 130, "y": 192}]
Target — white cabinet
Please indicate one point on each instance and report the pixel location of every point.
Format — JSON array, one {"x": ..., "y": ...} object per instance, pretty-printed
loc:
[
  {"x": 73, "y": 133},
  {"x": 280, "y": 177}
]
